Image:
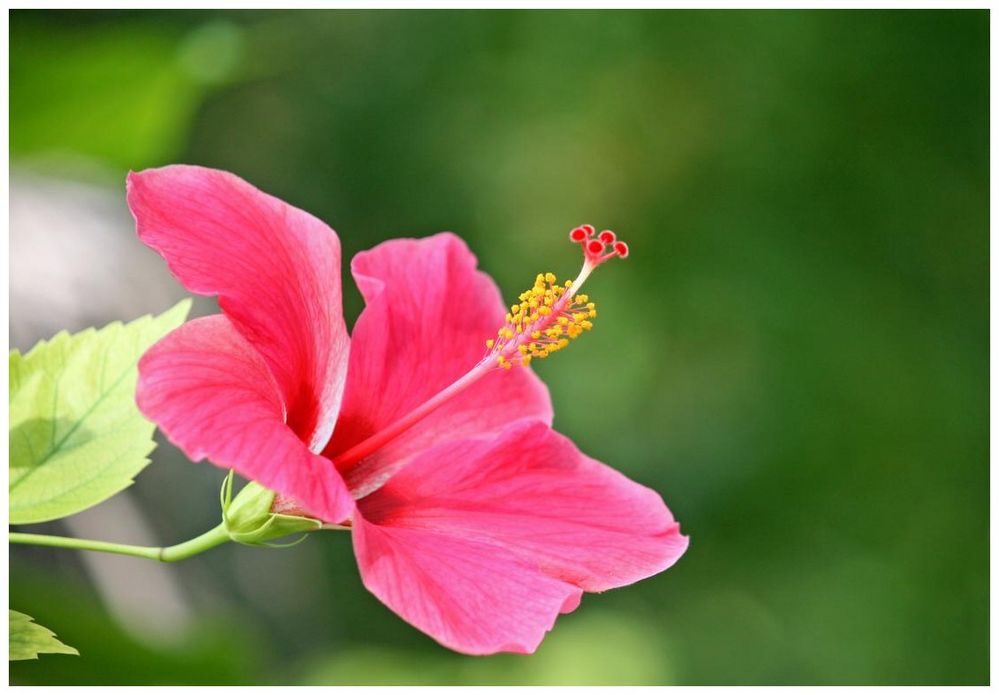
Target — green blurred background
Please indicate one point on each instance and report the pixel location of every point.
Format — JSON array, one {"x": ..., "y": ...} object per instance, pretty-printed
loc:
[{"x": 795, "y": 355}]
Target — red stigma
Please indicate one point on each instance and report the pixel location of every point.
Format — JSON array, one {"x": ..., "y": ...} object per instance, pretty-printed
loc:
[{"x": 595, "y": 246}]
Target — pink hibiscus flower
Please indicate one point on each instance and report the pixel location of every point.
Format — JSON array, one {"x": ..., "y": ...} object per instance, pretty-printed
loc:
[{"x": 471, "y": 518}]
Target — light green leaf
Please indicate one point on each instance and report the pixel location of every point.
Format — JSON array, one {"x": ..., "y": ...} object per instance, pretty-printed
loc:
[
  {"x": 76, "y": 435},
  {"x": 28, "y": 639}
]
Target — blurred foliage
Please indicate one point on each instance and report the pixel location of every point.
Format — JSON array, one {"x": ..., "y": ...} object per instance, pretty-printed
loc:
[
  {"x": 216, "y": 653},
  {"x": 795, "y": 354}
]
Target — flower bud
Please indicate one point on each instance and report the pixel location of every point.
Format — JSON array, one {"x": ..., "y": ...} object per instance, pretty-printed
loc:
[{"x": 249, "y": 520}]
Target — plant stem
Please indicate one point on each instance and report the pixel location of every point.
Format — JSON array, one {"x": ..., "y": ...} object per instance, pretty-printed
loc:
[{"x": 173, "y": 553}]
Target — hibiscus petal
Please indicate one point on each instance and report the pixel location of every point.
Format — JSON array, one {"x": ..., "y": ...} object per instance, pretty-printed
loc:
[
  {"x": 530, "y": 490},
  {"x": 275, "y": 269},
  {"x": 428, "y": 314},
  {"x": 471, "y": 596},
  {"x": 212, "y": 395}
]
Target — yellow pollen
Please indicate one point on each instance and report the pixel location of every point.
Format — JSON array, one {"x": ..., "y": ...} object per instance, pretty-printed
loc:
[{"x": 545, "y": 320}]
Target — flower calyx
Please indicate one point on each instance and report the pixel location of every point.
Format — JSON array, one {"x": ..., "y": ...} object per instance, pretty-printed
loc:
[{"x": 248, "y": 518}]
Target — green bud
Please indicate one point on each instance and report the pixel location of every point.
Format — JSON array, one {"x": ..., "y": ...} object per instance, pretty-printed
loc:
[{"x": 248, "y": 518}]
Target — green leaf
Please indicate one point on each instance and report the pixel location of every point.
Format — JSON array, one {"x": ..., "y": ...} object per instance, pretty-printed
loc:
[
  {"x": 76, "y": 435},
  {"x": 28, "y": 639}
]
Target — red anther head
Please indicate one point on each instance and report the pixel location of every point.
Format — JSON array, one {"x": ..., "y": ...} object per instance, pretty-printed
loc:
[
  {"x": 588, "y": 228},
  {"x": 594, "y": 247},
  {"x": 621, "y": 249},
  {"x": 578, "y": 234},
  {"x": 607, "y": 236}
]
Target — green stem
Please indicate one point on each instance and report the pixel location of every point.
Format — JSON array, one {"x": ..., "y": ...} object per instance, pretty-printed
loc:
[{"x": 173, "y": 553}]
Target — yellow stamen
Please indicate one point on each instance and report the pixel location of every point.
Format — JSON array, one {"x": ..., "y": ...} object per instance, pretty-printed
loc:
[{"x": 545, "y": 321}]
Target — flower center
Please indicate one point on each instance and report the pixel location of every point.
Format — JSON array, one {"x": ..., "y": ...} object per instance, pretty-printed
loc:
[{"x": 548, "y": 316}]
